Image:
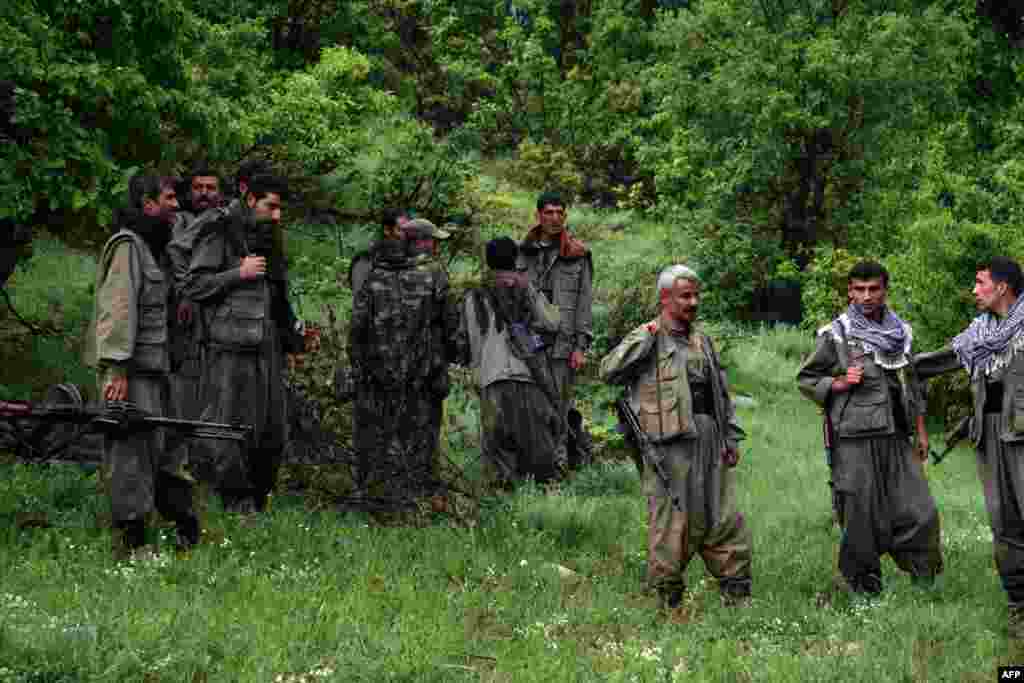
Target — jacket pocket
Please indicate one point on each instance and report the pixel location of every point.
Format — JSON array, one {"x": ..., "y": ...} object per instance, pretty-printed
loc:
[
  {"x": 866, "y": 415},
  {"x": 667, "y": 417},
  {"x": 239, "y": 322}
]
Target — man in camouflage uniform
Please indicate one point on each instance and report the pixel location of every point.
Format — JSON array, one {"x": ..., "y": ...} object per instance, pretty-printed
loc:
[
  {"x": 560, "y": 266},
  {"x": 676, "y": 387},
  {"x": 991, "y": 350},
  {"x": 130, "y": 346},
  {"x": 186, "y": 332},
  {"x": 398, "y": 346},
  {"x": 240, "y": 280},
  {"x": 861, "y": 373},
  {"x": 497, "y": 336}
]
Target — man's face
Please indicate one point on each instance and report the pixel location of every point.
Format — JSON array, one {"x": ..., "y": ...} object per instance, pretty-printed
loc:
[
  {"x": 682, "y": 301},
  {"x": 394, "y": 232},
  {"x": 164, "y": 206},
  {"x": 869, "y": 294},
  {"x": 988, "y": 292},
  {"x": 551, "y": 219},
  {"x": 205, "y": 192},
  {"x": 267, "y": 209}
]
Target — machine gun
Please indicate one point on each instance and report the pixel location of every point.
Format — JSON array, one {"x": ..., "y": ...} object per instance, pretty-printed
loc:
[
  {"x": 629, "y": 418},
  {"x": 25, "y": 421},
  {"x": 959, "y": 433}
]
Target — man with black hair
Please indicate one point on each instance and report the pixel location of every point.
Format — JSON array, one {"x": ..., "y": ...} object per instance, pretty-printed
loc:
[
  {"x": 990, "y": 351},
  {"x": 560, "y": 266},
  {"x": 391, "y": 225},
  {"x": 128, "y": 341},
  {"x": 204, "y": 194},
  {"x": 398, "y": 345},
  {"x": 862, "y": 375},
  {"x": 239, "y": 277},
  {"x": 520, "y": 423}
]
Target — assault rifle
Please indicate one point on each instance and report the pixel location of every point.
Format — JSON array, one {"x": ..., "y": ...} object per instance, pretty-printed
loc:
[
  {"x": 646, "y": 448},
  {"x": 116, "y": 417},
  {"x": 960, "y": 432}
]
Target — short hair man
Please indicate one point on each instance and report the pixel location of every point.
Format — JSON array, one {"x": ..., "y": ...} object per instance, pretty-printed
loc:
[
  {"x": 862, "y": 374},
  {"x": 240, "y": 279},
  {"x": 392, "y": 221},
  {"x": 398, "y": 346},
  {"x": 677, "y": 389},
  {"x": 990, "y": 350},
  {"x": 497, "y": 337},
  {"x": 560, "y": 266},
  {"x": 129, "y": 345}
]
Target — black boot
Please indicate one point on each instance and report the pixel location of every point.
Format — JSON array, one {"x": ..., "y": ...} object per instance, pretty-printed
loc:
[
  {"x": 129, "y": 536},
  {"x": 735, "y": 591},
  {"x": 188, "y": 534}
]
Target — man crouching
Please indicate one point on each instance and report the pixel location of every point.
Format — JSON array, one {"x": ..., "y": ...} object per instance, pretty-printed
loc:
[{"x": 676, "y": 387}]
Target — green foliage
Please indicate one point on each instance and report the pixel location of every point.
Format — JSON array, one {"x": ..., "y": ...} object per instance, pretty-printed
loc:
[
  {"x": 546, "y": 166},
  {"x": 825, "y": 285}
]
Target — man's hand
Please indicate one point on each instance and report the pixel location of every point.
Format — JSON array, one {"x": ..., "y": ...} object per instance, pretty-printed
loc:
[
  {"x": 730, "y": 456},
  {"x": 921, "y": 446},
  {"x": 253, "y": 267},
  {"x": 853, "y": 377},
  {"x": 116, "y": 389},
  {"x": 185, "y": 313},
  {"x": 652, "y": 327},
  {"x": 576, "y": 360},
  {"x": 511, "y": 279},
  {"x": 295, "y": 360}
]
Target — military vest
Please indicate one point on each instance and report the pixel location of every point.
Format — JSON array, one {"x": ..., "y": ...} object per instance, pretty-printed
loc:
[
  {"x": 241, "y": 320},
  {"x": 151, "y": 349},
  {"x": 661, "y": 396}
]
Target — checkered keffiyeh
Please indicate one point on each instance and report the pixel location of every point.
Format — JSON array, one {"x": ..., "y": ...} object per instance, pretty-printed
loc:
[
  {"x": 887, "y": 337},
  {"x": 989, "y": 342}
]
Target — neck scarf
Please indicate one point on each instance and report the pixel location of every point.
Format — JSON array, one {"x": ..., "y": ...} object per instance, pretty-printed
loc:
[
  {"x": 568, "y": 245},
  {"x": 888, "y": 340},
  {"x": 989, "y": 342}
]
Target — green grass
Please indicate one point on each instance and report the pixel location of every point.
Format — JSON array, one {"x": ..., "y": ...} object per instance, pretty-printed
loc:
[{"x": 541, "y": 585}]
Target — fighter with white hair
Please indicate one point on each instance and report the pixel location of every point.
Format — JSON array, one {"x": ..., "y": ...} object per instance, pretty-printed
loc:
[{"x": 676, "y": 387}]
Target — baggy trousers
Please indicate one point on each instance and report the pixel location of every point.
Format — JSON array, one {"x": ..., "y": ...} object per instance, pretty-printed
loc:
[
  {"x": 709, "y": 524},
  {"x": 146, "y": 468},
  {"x": 1001, "y": 472},
  {"x": 395, "y": 432},
  {"x": 885, "y": 506},
  {"x": 519, "y": 431},
  {"x": 565, "y": 384}
]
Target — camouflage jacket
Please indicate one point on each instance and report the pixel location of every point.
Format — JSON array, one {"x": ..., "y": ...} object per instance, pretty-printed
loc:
[
  {"x": 567, "y": 282},
  {"x": 131, "y": 313},
  {"x": 400, "y": 327},
  {"x": 660, "y": 393},
  {"x": 867, "y": 409},
  {"x": 238, "y": 314},
  {"x": 488, "y": 351}
]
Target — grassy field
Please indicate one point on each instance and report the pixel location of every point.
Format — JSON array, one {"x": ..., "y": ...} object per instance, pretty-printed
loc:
[{"x": 540, "y": 585}]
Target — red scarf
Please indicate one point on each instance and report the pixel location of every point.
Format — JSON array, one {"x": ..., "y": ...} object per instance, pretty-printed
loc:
[{"x": 569, "y": 246}]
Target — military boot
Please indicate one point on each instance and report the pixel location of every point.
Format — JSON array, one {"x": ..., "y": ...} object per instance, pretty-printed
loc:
[
  {"x": 1015, "y": 621},
  {"x": 669, "y": 598},
  {"x": 735, "y": 592},
  {"x": 129, "y": 536},
  {"x": 187, "y": 534}
]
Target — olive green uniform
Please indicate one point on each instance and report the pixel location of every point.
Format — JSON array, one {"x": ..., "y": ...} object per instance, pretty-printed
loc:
[
  {"x": 130, "y": 338},
  {"x": 884, "y": 503},
  {"x": 678, "y": 391},
  {"x": 997, "y": 431}
]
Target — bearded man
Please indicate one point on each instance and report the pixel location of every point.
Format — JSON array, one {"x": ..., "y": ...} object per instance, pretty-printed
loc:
[
  {"x": 677, "y": 389},
  {"x": 862, "y": 374},
  {"x": 129, "y": 344},
  {"x": 990, "y": 350}
]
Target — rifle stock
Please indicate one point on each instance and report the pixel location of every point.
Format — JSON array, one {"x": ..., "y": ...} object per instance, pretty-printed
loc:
[{"x": 646, "y": 448}]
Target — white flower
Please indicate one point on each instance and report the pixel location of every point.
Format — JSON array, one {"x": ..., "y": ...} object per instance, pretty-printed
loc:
[{"x": 523, "y": 563}]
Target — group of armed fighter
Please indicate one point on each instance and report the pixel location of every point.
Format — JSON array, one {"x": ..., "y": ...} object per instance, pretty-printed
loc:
[{"x": 192, "y": 318}]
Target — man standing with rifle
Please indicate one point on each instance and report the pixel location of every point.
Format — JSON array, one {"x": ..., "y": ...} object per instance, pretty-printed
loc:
[
  {"x": 129, "y": 344},
  {"x": 990, "y": 350},
  {"x": 861, "y": 374},
  {"x": 678, "y": 397}
]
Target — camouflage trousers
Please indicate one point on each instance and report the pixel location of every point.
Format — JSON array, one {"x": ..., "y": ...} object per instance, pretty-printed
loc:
[
  {"x": 147, "y": 468},
  {"x": 885, "y": 506},
  {"x": 1001, "y": 472},
  {"x": 520, "y": 432},
  {"x": 247, "y": 388},
  {"x": 709, "y": 522},
  {"x": 395, "y": 433}
]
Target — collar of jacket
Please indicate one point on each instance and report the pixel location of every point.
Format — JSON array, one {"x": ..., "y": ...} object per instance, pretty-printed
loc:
[
  {"x": 390, "y": 255},
  {"x": 569, "y": 246}
]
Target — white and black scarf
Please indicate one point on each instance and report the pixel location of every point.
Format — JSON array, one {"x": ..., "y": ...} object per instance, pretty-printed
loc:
[
  {"x": 989, "y": 343},
  {"x": 888, "y": 340}
]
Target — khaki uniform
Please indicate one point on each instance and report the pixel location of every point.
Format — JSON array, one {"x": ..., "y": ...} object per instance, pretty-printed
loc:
[
  {"x": 243, "y": 378},
  {"x": 678, "y": 390},
  {"x": 398, "y": 340},
  {"x": 997, "y": 431},
  {"x": 520, "y": 425},
  {"x": 130, "y": 336},
  {"x": 884, "y": 503}
]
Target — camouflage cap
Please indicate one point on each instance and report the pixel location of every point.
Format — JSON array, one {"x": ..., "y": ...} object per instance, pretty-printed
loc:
[{"x": 421, "y": 228}]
